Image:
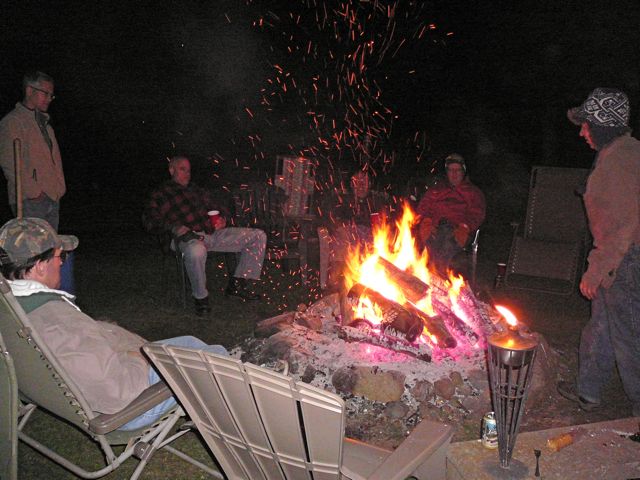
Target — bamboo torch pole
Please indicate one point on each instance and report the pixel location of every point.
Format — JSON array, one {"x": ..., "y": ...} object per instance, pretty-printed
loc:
[{"x": 17, "y": 157}]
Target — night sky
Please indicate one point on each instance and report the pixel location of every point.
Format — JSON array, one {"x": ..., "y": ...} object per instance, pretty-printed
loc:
[{"x": 398, "y": 84}]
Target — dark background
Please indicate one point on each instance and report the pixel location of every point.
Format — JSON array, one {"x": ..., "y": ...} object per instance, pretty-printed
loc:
[{"x": 234, "y": 83}]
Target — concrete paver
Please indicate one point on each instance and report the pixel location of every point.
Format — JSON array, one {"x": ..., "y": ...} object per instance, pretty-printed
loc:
[{"x": 600, "y": 453}]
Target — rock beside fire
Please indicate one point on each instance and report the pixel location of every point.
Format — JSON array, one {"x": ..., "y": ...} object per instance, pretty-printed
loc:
[
  {"x": 444, "y": 388},
  {"x": 370, "y": 382},
  {"x": 423, "y": 390}
]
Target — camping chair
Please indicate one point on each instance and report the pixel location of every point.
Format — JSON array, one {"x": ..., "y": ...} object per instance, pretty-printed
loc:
[
  {"x": 471, "y": 253},
  {"x": 548, "y": 254},
  {"x": 43, "y": 383},
  {"x": 264, "y": 206},
  {"x": 8, "y": 416},
  {"x": 174, "y": 256},
  {"x": 263, "y": 425}
]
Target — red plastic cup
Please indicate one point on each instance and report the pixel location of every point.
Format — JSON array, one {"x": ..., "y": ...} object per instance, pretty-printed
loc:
[{"x": 213, "y": 217}]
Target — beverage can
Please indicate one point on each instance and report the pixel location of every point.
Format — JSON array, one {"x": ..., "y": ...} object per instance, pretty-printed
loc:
[{"x": 489, "y": 431}]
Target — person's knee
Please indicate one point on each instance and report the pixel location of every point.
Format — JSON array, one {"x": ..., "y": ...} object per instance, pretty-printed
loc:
[
  {"x": 195, "y": 250},
  {"x": 261, "y": 237}
]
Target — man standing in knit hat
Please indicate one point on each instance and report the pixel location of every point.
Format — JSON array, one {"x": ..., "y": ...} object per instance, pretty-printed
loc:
[
  {"x": 450, "y": 211},
  {"x": 612, "y": 281},
  {"x": 41, "y": 176}
]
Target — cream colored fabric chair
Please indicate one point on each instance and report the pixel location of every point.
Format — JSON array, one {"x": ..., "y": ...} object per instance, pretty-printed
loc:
[
  {"x": 43, "y": 383},
  {"x": 263, "y": 425}
]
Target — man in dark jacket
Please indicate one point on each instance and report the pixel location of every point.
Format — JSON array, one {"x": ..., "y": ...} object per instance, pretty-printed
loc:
[{"x": 612, "y": 281}]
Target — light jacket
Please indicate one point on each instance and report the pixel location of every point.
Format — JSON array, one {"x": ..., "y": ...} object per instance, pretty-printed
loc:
[
  {"x": 612, "y": 202},
  {"x": 41, "y": 166},
  {"x": 96, "y": 355}
]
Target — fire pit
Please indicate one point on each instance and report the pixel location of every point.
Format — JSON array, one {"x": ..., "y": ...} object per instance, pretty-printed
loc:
[{"x": 399, "y": 343}]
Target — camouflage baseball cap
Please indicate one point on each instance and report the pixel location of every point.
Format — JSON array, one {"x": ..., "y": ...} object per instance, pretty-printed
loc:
[
  {"x": 604, "y": 107},
  {"x": 24, "y": 238}
]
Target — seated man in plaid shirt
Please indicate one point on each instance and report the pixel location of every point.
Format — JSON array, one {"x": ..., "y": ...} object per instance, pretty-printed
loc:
[{"x": 181, "y": 208}]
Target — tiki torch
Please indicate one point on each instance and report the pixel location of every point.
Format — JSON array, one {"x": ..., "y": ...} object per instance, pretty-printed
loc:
[{"x": 511, "y": 358}]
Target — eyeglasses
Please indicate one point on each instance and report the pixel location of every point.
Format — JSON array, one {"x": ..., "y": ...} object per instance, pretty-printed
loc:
[
  {"x": 47, "y": 94},
  {"x": 62, "y": 256}
]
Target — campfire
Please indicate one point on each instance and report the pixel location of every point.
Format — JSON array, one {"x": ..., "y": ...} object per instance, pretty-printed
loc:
[
  {"x": 393, "y": 294},
  {"x": 400, "y": 342}
]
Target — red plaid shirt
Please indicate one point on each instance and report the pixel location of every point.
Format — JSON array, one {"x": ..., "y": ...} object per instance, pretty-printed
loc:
[{"x": 173, "y": 205}]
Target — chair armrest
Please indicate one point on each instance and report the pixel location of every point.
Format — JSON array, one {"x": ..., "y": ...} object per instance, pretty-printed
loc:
[
  {"x": 426, "y": 440},
  {"x": 152, "y": 396}
]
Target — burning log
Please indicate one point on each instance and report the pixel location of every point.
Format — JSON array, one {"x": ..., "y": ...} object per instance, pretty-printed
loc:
[
  {"x": 415, "y": 289},
  {"x": 394, "y": 316},
  {"x": 466, "y": 299},
  {"x": 406, "y": 318},
  {"x": 417, "y": 350},
  {"x": 412, "y": 287},
  {"x": 435, "y": 326}
]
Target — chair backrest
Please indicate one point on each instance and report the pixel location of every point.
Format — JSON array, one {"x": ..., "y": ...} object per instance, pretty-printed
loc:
[
  {"x": 295, "y": 175},
  {"x": 8, "y": 416},
  {"x": 40, "y": 377},
  {"x": 259, "y": 424},
  {"x": 555, "y": 211}
]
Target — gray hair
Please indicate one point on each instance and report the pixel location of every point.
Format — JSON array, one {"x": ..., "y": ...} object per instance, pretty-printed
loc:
[{"x": 32, "y": 78}]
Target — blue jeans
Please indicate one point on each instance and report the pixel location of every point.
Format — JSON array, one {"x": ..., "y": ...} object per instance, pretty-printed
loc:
[
  {"x": 43, "y": 207},
  {"x": 612, "y": 336},
  {"x": 156, "y": 412}
]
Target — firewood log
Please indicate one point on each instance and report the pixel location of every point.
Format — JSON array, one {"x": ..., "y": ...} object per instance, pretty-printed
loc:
[
  {"x": 420, "y": 351},
  {"x": 415, "y": 289},
  {"x": 394, "y": 315},
  {"x": 435, "y": 326}
]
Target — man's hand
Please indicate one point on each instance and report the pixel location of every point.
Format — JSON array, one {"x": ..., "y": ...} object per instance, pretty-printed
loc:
[
  {"x": 589, "y": 286},
  {"x": 461, "y": 234},
  {"x": 190, "y": 235}
]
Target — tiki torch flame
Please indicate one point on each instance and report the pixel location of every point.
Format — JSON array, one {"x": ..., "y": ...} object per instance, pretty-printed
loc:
[{"x": 511, "y": 319}]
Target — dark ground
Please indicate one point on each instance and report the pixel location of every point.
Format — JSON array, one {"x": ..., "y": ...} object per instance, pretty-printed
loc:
[{"x": 119, "y": 273}]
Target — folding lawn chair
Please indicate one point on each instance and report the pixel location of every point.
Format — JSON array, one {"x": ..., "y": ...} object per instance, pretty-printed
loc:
[
  {"x": 263, "y": 425},
  {"x": 8, "y": 416},
  {"x": 548, "y": 255},
  {"x": 43, "y": 383}
]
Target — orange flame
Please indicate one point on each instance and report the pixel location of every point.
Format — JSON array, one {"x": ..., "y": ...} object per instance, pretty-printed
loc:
[
  {"x": 398, "y": 247},
  {"x": 508, "y": 316}
]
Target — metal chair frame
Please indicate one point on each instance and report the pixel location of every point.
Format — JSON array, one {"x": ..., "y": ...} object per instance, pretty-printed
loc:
[{"x": 44, "y": 383}]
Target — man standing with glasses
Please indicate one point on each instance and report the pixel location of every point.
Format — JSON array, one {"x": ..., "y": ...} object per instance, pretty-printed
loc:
[{"x": 42, "y": 177}]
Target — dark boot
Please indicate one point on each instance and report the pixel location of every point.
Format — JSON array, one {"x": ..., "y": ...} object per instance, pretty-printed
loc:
[
  {"x": 238, "y": 288},
  {"x": 202, "y": 305}
]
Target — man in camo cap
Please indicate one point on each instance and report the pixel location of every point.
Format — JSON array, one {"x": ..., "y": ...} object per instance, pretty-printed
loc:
[
  {"x": 31, "y": 242},
  {"x": 103, "y": 359}
]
